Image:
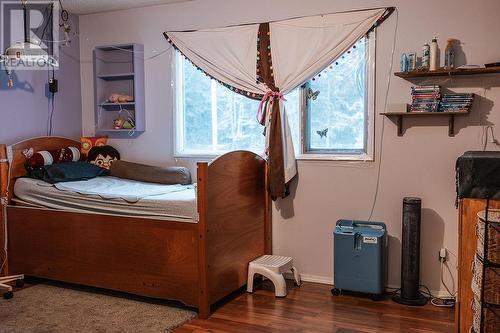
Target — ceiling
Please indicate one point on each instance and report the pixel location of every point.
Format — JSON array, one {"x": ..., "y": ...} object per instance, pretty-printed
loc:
[{"x": 81, "y": 7}]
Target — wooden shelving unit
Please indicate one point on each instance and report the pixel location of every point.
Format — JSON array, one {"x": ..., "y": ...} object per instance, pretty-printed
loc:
[
  {"x": 410, "y": 76},
  {"x": 445, "y": 72},
  {"x": 119, "y": 69},
  {"x": 399, "y": 116}
]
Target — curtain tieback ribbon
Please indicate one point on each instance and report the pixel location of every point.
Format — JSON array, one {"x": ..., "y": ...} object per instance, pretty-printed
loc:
[{"x": 261, "y": 117}]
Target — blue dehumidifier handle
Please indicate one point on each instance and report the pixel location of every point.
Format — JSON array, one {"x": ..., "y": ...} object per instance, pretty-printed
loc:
[
  {"x": 353, "y": 223},
  {"x": 357, "y": 241},
  {"x": 380, "y": 224}
]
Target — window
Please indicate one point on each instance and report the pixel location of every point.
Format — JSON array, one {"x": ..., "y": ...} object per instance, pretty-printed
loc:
[
  {"x": 331, "y": 116},
  {"x": 211, "y": 119}
]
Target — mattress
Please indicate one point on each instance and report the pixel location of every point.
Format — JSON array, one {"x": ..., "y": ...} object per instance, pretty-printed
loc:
[{"x": 175, "y": 203}]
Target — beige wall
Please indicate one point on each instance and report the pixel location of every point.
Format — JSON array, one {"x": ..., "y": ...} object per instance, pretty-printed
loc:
[{"x": 419, "y": 164}]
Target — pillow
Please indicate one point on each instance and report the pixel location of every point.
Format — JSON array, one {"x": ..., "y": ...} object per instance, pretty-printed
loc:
[
  {"x": 103, "y": 156},
  {"x": 48, "y": 157},
  {"x": 150, "y": 174},
  {"x": 67, "y": 172},
  {"x": 88, "y": 142}
]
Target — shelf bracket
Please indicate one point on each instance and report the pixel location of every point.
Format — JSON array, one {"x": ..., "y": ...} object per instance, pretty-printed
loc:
[
  {"x": 451, "y": 125},
  {"x": 400, "y": 125}
]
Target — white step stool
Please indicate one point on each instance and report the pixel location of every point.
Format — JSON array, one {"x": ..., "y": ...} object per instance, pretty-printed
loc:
[{"x": 272, "y": 267}]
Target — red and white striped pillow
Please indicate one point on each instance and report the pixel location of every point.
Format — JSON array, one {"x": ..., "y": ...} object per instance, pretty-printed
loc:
[{"x": 47, "y": 157}]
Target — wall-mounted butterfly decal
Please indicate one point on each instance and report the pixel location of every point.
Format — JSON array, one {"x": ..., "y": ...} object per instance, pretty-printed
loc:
[
  {"x": 312, "y": 94},
  {"x": 323, "y": 133}
]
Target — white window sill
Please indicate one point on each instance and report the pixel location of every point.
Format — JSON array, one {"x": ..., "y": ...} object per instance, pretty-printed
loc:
[
  {"x": 205, "y": 156},
  {"x": 301, "y": 158},
  {"x": 338, "y": 157}
]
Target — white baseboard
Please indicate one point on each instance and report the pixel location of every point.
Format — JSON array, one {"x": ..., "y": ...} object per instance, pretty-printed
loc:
[
  {"x": 314, "y": 279},
  {"x": 329, "y": 281}
]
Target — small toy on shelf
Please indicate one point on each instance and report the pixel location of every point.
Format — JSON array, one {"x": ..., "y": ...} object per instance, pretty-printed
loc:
[
  {"x": 123, "y": 123},
  {"x": 120, "y": 98}
]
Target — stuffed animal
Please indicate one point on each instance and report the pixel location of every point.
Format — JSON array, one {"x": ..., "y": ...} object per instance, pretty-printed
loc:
[
  {"x": 122, "y": 123},
  {"x": 120, "y": 98},
  {"x": 103, "y": 156},
  {"x": 118, "y": 123}
]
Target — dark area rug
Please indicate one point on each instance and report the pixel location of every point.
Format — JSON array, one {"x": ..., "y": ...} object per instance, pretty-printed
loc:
[{"x": 53, "y": 307}]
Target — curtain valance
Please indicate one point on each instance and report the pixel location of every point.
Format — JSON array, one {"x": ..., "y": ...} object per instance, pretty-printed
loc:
[
  {"x": 225, "y": 54},
  {"x": 265, "y": 61},
  {"x": 303, "y": 47}
]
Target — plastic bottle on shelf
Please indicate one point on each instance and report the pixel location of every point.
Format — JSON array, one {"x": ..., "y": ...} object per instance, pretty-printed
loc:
[
  {"x": 449, "y": 55},
  {"x": 434, "y": 60},
  {"x": 425, "y": 56}
]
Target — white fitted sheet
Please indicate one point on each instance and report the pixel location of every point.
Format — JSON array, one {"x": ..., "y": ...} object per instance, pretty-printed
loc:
[{"x": 175, "y": 204}]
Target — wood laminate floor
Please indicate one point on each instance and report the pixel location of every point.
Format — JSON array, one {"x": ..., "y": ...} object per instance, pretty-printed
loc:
[{"x": 312, "y": 308}]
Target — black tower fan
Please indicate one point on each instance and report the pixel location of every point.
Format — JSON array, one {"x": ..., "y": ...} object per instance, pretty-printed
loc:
[{"x": 410, "y": 254}]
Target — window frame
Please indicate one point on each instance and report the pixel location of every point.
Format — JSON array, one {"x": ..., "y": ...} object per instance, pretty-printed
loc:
[
  {"x": 178, "y": 105},
  {"x": 368, "y": 152},
  {"x": 303, "y": 154}
]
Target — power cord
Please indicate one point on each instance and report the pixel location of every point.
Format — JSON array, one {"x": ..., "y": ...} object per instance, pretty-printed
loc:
[
  {"x": 442, "y": 302},
  {"x": 392, "y": 291},
  {"x": 452, "y": 294},
  {"x": 492, "y": 139},
  {"x": 52, "y": 108},
  {"x": 53, "y": 98},
  {"x": 3, "y": 204},
  {"x": 377, "y": 186}
]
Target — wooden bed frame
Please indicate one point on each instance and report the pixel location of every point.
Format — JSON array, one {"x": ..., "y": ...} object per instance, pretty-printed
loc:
[{"x": 195, "y": 263}]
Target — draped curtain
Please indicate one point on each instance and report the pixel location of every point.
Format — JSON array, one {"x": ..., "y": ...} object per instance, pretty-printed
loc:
[{"x": 265, "y": 61}]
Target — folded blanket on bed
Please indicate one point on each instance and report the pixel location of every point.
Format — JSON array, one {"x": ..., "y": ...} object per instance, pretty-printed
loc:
[
  {"x": 67, "y": 172},
  {"x": 118, "y": 188}
]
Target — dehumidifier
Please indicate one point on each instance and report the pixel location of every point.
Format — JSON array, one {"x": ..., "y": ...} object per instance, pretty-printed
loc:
[{"x": 360, "y": 257}]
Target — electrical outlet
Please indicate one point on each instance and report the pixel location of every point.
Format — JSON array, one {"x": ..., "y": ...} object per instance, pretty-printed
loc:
[{"x": 442, "y": 254}]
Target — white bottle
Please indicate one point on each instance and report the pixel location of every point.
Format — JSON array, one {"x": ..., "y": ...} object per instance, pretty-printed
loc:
[{"x": 434, "y": 63}]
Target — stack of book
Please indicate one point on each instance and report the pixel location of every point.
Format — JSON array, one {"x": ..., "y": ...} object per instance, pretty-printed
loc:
[
  {"x": 456, "y": 102},
  {"x": 425, "y": 98}
]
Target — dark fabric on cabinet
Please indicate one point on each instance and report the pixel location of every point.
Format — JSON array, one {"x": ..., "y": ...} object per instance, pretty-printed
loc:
[{"x": 478, "y": 175}]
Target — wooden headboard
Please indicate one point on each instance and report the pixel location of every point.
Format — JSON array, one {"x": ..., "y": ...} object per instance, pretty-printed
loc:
[{"x": 17, "y": 168}]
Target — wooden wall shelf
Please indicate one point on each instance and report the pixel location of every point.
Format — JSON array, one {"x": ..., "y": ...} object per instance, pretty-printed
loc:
[
  {"x": 400, "y": 115},
  {"x": 445, "y": 72}
]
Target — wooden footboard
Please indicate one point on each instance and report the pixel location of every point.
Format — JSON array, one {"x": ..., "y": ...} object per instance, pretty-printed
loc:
[
  {"x": 196, "y": 263},
  {"x": 234, "y": 225}
]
